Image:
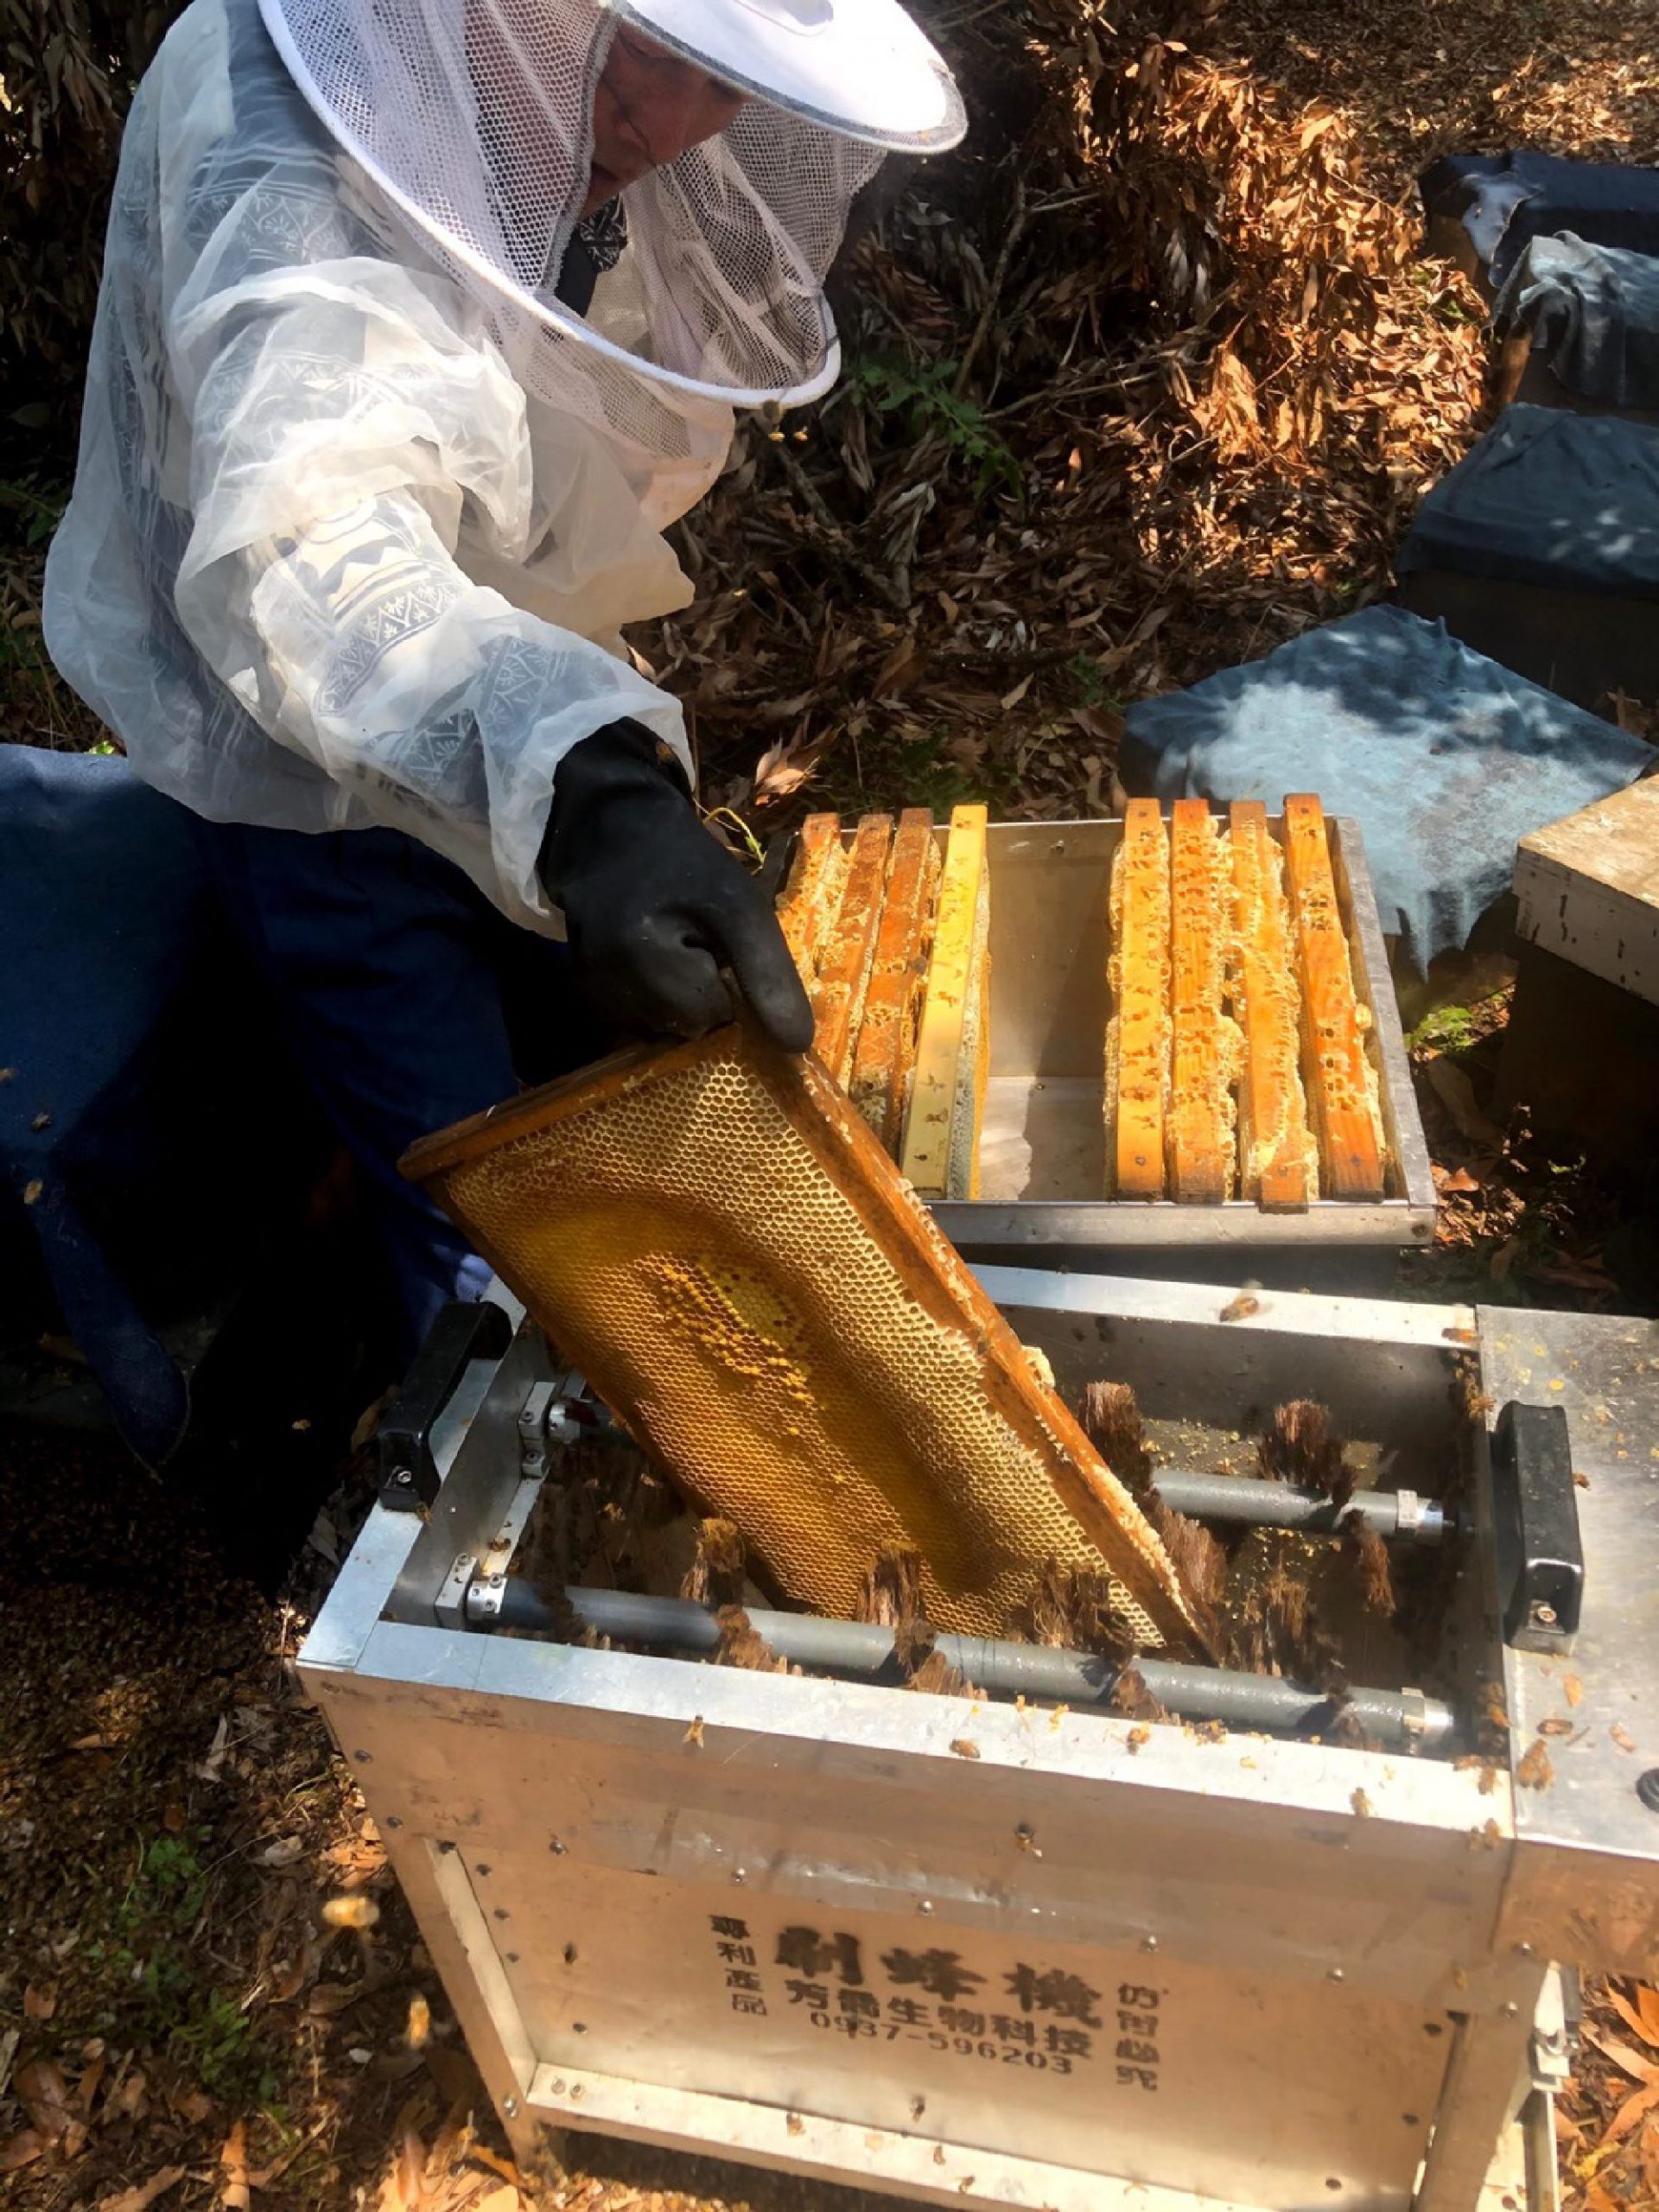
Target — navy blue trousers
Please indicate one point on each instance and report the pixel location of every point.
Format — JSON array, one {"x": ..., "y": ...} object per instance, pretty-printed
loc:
[{"x": 133, "y": 934}]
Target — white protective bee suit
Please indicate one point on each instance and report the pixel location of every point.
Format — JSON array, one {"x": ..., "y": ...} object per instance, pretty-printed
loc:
[
  {"x": 387, "y": 409},
  {"x": 362, "y": 504}
]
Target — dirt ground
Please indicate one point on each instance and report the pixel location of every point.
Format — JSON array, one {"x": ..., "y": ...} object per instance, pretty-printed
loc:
[{"x": 1147, "y": 378}]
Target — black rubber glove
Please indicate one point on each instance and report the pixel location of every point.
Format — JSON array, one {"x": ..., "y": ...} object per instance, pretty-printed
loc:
[{"x": 655, "y": 910}]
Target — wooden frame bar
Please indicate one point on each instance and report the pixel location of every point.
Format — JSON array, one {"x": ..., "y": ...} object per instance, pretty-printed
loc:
[{"x": 1339, "y": 1079}]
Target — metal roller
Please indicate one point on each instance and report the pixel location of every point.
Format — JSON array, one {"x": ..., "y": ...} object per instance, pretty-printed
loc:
[{"x": 1397, "y": 1720}]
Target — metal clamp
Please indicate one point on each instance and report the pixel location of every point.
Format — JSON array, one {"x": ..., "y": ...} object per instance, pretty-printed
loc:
[
  {"x": 464, "y": 1331},
  {"x": 1539, "y": 1555},
  {"x": 484, "y": 1595}
]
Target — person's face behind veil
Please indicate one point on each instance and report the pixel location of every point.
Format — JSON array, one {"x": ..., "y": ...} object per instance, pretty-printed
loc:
[{"x": 649, "y": 108}]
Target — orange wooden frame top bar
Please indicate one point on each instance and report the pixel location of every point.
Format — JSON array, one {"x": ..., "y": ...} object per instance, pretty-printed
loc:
[{"x": 1335, "y": 1070}]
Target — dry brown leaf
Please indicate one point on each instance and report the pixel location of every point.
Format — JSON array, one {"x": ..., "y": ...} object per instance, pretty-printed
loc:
[
  {"x": 39, "y": 2001},
  {"x": 139, "y": 2199},
  {"x": 234, "y": 2193},
  {"x": 1630, "y": 2061},
  {"x": 1633, "y": 2109},
  {"x": 44, "y": 2094},
  {"x": 1643, "y": 2016},
  {"x": 20, "y": 2149}
]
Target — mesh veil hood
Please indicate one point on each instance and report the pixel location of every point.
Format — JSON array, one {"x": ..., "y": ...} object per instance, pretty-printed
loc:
[{"x": 474, "y": 118}]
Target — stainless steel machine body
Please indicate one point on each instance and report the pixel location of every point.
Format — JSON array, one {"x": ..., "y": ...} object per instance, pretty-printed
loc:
[
  {"x": 1003, "y": 1951},
  {"x": 1042, "y": 1159}
]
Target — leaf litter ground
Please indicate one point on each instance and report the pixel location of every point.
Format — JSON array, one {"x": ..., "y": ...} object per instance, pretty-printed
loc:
[{"x": 1146, "y": 380}]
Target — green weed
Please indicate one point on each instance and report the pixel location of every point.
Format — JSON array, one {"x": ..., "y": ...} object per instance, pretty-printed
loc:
[
  {"x": 164, "y": 1997},
  {"x": 931, "y": 407},
  {"x": 1448, "y": 1029}
]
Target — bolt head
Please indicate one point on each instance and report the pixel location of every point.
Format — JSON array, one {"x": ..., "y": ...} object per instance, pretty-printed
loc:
[
  {"x": 510, "y": 2106},
  {"x": 404, "y": 1477},
  {"x": 1148, "y": 1943},
  {"x": 1335, "y": 1974},
  {"x": 1647, "y": 1788}
]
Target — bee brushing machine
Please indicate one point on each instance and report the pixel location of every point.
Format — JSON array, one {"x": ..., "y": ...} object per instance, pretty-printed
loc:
[{"x": 1192, "y": 1929}]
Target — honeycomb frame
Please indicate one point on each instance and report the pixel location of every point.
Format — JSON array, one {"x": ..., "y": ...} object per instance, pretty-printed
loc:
[{"x": 717, "y": 1237}]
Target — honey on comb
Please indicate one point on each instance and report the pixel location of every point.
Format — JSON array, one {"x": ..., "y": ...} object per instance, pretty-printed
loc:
[{"x": 715, "y": 1236}]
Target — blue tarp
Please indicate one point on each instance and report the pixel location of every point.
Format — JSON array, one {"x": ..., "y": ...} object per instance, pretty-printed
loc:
[
  {"x": 1570, "y": 502},
  {"x": 1444, "y": 758}
]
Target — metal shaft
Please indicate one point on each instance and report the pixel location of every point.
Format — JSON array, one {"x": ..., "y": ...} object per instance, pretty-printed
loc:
[
  {"x": 1398, "y": 1720},
  {"x": 1250, "y": 1500}
]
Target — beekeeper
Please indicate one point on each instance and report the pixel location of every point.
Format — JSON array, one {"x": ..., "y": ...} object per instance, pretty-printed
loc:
[{"x": 421, "y": 320}]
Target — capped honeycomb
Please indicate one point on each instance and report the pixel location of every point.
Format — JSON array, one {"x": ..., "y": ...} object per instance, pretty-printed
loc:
[
  {"x": 1204, "y": 1043},
  {"x": 1236, "y": 1053},
  {"x": 1138, "y": 1034},
  {"x": 884, "y": 1056},
  {"x": 717, "y": 1239},
  {"x": 891, "y": 934},
  {"x": 1278, "y": 1160},
  {"x": 940, "y": 1155}
]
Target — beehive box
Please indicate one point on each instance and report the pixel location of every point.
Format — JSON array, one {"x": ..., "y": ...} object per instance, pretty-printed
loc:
[{"x": 1070, "y": 1098}]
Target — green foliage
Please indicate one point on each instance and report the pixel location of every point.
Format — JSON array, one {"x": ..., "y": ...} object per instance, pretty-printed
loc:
[
  {"x": 932, "y": 407},
  {"x": 149, "y": 1955},
  {"x": 1089, "y": 686},
  {"x": 1448, "y": 1029}
]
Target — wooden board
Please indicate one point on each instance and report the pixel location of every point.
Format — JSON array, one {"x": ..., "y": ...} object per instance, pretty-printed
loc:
[
  {"x": 940, "y": 1141},
  {"x": 1339, "y": 1081},
  {"x": 848, "y": 950},
  {"x": 1587, "y": 889},
  {"x": 1277, "y": 1159},
  {"x": 1203, "y": 1039},
  {"x": 812, "y": 899},
  {"x": 884, "y": 1056},
  {"x": 1138, "y": 1035}
]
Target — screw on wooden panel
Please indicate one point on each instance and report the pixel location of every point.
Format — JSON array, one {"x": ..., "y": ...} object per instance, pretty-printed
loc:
[
  {"x": 482, "y": 1868},
  {"x": 501, "y": 1912},
  {"x": 740, "y": 1875},
  {"x": 510, "y": 2106},
  {"x": 392, "y": 1820},
  {"x": 1523, "y": 1950},
  {"x": 569, "y": 1955},
  {"x": 362, "y": 1757},
  {"x": 1510, "y": 2010},
  {"x": 1148, "y": 1943},
  {"x": 1335, "y": 1974},
  {"x": 556, "y": 1847},
  {"x": 926, "y": 1905}
]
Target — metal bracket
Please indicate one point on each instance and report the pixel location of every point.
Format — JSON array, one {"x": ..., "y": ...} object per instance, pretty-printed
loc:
[
  {"x": 483, "y": 1602},
  {"x": 449, "y": 1606}
]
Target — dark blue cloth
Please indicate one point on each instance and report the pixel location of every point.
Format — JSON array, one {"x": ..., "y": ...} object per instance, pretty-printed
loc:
[
  {"x": 104, "y": 905},
  {"x": 1570, "y": 502},
  {"x": 407, "y": 1001},
  {"x": 164, "y": 977},
  {"x": 1445, "y": 760},
  {"x": 1505, "y": 200},
  {"x": 1592, "y": 313}
]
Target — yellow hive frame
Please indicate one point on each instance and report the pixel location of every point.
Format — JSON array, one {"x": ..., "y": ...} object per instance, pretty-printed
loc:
[
  {"x": 940, "y": 1157},
  {"x": 717, "y": 1238}
]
